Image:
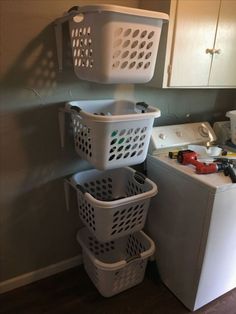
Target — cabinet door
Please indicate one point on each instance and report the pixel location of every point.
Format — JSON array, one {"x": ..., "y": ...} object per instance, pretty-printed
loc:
[
  {"x": 195, "y": 29},
  {"x": 223, "y": 72}
]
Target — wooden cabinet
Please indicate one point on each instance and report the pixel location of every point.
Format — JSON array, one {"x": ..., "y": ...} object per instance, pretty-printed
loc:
[{"x": 198, "y": 46}]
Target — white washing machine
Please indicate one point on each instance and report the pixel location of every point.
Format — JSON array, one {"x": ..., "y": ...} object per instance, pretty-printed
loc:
[{"x": 192, "y": 219}]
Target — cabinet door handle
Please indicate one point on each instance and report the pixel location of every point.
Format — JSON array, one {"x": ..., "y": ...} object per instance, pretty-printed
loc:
[
  {"x": 218, "y": 51},
  {"x": 213, "y": 50},
  {"x": 208, "y": 50}
]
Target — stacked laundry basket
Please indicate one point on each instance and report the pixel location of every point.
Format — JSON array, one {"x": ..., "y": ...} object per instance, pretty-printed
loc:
[{"x": 113, "y": 199}]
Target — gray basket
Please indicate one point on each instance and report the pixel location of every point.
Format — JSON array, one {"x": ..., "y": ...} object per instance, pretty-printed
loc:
[
  {"x": 110, "y": 133},
  {"x": 117, "y": 265},
  {"x": 113, "y": 203},
  {"x": 114, "y": 44}
]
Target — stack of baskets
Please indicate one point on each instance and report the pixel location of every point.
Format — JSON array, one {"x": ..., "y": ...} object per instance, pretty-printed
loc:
[{"x": 113, "y": 199}]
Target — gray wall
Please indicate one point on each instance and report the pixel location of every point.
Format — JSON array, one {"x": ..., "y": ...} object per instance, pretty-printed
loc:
[{"x": 35, "y": 228}]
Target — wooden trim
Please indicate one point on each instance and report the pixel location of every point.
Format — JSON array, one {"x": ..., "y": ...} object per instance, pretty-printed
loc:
[{"x": 38, "y": 274}]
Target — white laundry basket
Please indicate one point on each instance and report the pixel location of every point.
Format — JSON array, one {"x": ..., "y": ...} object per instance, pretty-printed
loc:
[
  {"x": 113, "y": 203},
  {"x": 232, "y": 115},
  {"x": 111, "y": 134},
  {"x": 114, "y": 44},
  {"x": 117, "y": 265}
]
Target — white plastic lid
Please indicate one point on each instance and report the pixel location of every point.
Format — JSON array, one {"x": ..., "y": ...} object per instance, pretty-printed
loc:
[{"x": 124, "y": 10}]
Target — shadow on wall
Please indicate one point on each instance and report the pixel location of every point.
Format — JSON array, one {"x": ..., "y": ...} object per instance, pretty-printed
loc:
[
  {"x": 36, "y": 68},
  {"x": 34, "y": 78},
  {"x": 33, "y": 90}
]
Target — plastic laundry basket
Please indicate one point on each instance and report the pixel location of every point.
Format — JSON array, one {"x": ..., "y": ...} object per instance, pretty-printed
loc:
[
  {"x": 113, "y": 203},
  {"x": 111, "y": 134},
  {"x": 115, "y": 266},
  {"x": 114, "y": 44},
  {"x": 232, "y": 115}
]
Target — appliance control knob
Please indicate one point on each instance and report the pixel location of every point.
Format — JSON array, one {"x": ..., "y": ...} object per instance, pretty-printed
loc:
[
  {"x": 203, "y": 131},
  {"x": 162, "y": 136}
]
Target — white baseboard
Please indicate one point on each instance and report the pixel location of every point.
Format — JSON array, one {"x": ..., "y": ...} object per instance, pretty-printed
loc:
[{"x": 38, "y": 274}]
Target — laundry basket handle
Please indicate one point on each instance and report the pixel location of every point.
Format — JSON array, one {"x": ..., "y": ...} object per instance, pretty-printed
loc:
[
  {"x": 139, "y": 177},
  {"x": 76, "y": 109},
  {"x": 81, "y": 188},
  {"x": 74, "y": 8},
  {"x": 142, "y": 106},
  {"x": 132, "y": 258}
]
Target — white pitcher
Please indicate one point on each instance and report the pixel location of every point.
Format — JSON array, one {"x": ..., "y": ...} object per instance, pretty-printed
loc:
[{"x": 232, "y": 115}]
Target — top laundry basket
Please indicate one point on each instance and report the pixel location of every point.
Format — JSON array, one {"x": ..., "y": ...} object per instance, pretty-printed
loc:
[{"x": 114, "y": 44}]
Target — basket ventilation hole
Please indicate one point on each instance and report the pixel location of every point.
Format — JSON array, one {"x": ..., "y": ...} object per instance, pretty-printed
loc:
[
  {"x": 132, "y": 59},
  {"x": 81, "y": 44},
  {"x": 98, "y": 248},
  {"x": 149, "y": 45},
  {"x": 141, "y": 54},
  {"x": 114, "y": 133},
  {"x": 143, "y": 34},
  {"x": 150, "y": 35},
  {"x": 111, "y": 157},
  {"x": 86, "y": 212},
  {"x": 127, "y": 32},
  {"x": 82, "y": 137},
  {"x": 124, "y": 65},
  {"x": 129, "y": 276},
  {"x": 125, "y": 54},
  {"x": 139, "y": 65},
  {"x": 118, "y": 31},
  {"x": 122, "y": 132},
  {"x": 134, "y": 189},
  {"x": 135, "y": 33},
  {"x": 134, "y": 246},
  {"x": 133, "y": 54},
  {"x": 132, "y": 65},
  {"x": 124, "y": 144},
  {"x": 127, "y": 219},
  {"x": 142, "y": 45},
  {"x": 126, "y": 43},
  {"x": 100, "y": 189},
  {"x": 134, "y": 44}
]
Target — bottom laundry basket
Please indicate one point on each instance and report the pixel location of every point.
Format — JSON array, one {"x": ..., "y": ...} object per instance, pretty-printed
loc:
[{"x": 116, "y": 265}]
